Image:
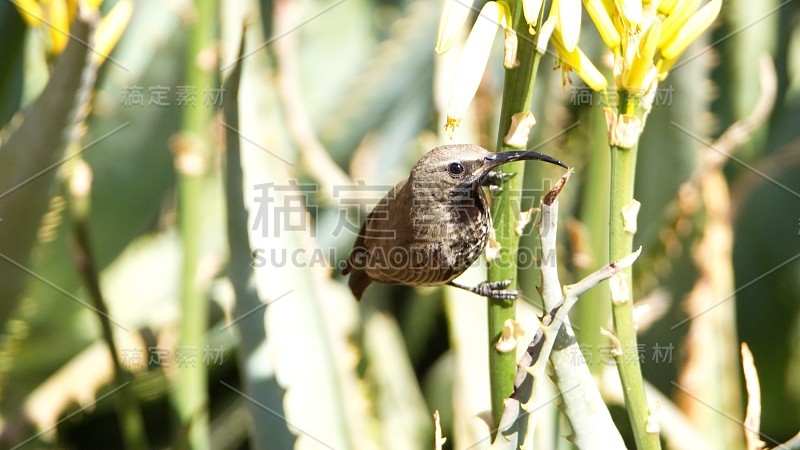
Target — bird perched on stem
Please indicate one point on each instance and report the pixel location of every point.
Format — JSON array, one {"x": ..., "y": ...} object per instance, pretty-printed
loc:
[{"x": 434, "y": 224}]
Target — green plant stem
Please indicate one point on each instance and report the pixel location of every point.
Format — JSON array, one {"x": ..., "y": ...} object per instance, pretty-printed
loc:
[
  {"x": 591, "y": 313},
  {"x": 191, "y": 395},
  {"x": 505, "y": 207},
  {"x": 623, "y": 172},
  {"x": 191, "y": 389}
]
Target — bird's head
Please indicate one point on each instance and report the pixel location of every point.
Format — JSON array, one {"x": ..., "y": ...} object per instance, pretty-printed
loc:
[{"x": 465, "y": 166}]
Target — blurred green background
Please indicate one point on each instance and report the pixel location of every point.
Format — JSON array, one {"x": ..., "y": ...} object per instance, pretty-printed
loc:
[{"x": 337, "y": 101}]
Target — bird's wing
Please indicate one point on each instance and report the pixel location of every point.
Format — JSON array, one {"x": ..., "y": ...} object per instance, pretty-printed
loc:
[
  {"x": 359, "y": 250},
  {"x": 373, "y": 230}
]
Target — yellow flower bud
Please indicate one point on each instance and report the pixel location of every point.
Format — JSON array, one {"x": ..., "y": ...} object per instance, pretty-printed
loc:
[
  {"x": 531, "y": 10},
  {"x": 666, "y": 6},
  {"x": 631, "y": 13},
  {"x": 569, "y": 21},
  {"x": 92, "y": 5},
  {"x": 58, "y": 18},
  {"x": 454, "y": 15},
  {"x": 664, "y": 66},
  {"x": 603, "y": 22},
  {"x": 643, "y": 62},
  {"x": 580, "y": 63},
  {"x": 545, "y": 31},
  {"x": 674, "y": 22},
  {"x": 111, "y": 28},
  {"x": 30, "y": 11},
  {"x": 473, "y": 61},
  {"x": 56, "y": 15},
  {"x": 699, "y": 22}
]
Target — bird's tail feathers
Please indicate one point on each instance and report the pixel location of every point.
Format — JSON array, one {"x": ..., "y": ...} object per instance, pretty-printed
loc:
[{"x": 358, "y": 283}]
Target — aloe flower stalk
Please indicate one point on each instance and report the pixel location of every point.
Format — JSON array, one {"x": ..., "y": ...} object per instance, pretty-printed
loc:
[{"x": 646, "y": 38}]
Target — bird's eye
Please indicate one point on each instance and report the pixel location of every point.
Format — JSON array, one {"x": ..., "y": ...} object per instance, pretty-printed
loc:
[{"x": 455, "y": 168}]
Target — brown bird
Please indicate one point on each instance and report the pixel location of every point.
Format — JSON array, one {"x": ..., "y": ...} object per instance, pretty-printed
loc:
[{"x": 434, "y": 224}]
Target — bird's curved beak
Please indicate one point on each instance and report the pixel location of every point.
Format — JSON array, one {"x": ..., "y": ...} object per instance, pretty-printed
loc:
[{"x": 496, "y": 159}]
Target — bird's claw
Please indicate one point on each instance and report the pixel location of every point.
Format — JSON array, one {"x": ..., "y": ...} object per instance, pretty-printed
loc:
[
  {"x": 497, "y": 289},
  {"x": 495, "y": 179},
  {"x": 493, "y": 289}
]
